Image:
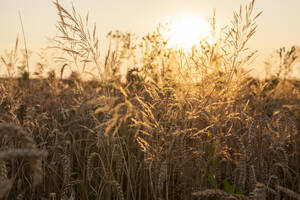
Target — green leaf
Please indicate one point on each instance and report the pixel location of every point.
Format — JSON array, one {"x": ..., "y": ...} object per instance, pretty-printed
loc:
[
  {"x": 212, "y": 179},
  {"x": 228, "y": 187},
  {"x": 215, "y": 163},
  {"x": 238, "y": 190}
]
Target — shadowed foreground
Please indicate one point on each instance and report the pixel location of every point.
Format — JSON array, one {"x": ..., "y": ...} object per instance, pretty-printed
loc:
[{"x": 87, "y": 140}]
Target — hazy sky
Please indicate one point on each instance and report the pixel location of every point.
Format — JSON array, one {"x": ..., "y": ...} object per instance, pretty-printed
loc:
[{"x": 278, "y": 26}]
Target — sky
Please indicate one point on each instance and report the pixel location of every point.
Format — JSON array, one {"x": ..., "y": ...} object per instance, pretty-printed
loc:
[{"x": 278, "y": 26}]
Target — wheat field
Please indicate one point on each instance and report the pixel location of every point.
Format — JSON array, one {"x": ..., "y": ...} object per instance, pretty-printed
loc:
[{"x": 175, "y": 125}]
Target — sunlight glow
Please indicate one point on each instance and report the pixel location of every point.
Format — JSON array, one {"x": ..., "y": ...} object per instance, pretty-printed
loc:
[{"x": 186, "y": 31}]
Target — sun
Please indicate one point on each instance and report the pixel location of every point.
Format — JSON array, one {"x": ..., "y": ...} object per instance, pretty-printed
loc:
[{"x": 186, "y": 31}]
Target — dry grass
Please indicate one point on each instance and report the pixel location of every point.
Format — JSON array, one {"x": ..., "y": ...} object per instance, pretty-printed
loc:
[{"x": 163, "y": 133}]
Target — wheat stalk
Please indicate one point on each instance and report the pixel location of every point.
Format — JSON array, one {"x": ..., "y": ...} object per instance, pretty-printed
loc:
[
  {"x": 210, "y": 193},
  {"x": 118, "y": 188},
  {"x": 288, "y": 192},
  {"x": 3, "y": 171},
  {"x": 162, "y": 178},
  {"x": 90, "y": 167},
  {"x": 117, "y": 155},
  {"x": 5, "y": 183},
  {"x": 242, "y": 166},
  {"x": 259, "y": 192},
  {"x": 30, "y": 151},
  {"x": 52, "y": 196}
]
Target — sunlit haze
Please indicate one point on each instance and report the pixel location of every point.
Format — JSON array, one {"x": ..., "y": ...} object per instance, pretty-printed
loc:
[
  {"x": 277, "y": 27},
  {"x": 187, "y": 30}
]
